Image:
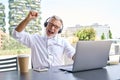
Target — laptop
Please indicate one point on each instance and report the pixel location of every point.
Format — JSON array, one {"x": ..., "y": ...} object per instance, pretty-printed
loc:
[{"x": 89, "y": 55}]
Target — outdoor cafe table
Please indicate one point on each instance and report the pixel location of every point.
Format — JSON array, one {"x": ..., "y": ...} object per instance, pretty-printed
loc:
[{"x": 111, "y": 72}]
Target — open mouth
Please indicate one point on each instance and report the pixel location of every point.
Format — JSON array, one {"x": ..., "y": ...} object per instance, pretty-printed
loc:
[{"x": 50, "y": 32}]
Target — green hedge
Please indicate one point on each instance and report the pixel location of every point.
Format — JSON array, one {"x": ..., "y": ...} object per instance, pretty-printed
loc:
[
  {"x": 15, "y": 52},
  {"x": 10, "y": 46}
]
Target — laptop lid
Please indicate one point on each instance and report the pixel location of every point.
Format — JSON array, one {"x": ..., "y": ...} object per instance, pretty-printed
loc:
[{"x": 91, "y": 55}]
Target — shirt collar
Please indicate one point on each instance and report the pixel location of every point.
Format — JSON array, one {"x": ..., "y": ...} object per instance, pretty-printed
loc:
[{"x": 54, "y": 38}]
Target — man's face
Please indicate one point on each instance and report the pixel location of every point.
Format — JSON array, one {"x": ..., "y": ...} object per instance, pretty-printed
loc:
[{"x": 53, "y": 27}]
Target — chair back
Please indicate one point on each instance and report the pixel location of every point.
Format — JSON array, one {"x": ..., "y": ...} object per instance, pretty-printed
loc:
[{"x": 8, "y": 64}]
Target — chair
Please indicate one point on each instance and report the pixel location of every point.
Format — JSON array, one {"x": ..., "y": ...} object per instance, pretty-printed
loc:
[{"x": 8, "y": 64}]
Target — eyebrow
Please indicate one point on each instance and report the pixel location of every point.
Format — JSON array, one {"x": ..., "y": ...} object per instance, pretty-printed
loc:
[{"x": 54, "y": 24}]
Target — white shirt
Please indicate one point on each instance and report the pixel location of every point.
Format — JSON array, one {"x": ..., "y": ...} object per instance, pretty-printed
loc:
[{"x": 45, "y": 51}]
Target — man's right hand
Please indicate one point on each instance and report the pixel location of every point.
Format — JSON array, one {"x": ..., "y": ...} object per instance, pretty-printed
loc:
[
  {"x": 23, "y": 24},
  {"x": 32, "y": 15}
]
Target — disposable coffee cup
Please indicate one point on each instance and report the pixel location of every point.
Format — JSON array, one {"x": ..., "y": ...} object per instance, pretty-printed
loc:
[
  {"x": 23, "y": 61},
  {"x": 114, "y": 59}
]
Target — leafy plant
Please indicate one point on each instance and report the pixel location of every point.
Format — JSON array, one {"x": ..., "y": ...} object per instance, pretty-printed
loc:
[
  {"x": 87, "y": 33},
  {"x": 103, "y": 36},
  {"x": 9, "y": 43},
  {"x": 110, "y": 34}
]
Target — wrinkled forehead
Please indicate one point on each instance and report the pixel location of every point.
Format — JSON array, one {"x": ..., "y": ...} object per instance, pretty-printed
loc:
[{"x": 55, "y": 18}]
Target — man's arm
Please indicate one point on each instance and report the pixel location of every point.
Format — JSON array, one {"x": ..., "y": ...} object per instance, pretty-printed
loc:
[{"x": 23, "y": 24}]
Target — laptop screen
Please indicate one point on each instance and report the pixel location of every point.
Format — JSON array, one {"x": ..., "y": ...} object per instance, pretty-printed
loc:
[{"x": 91, "y": 54}]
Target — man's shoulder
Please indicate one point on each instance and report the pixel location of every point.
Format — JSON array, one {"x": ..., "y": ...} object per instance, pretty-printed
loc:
[{"x": 36, "y": 35}]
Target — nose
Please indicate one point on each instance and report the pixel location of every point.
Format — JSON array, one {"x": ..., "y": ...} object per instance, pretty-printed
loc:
[{"x": 52, "y": 27}]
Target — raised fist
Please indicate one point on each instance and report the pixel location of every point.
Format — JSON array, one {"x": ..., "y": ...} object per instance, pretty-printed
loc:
[{"x": 32, "y": 15}]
